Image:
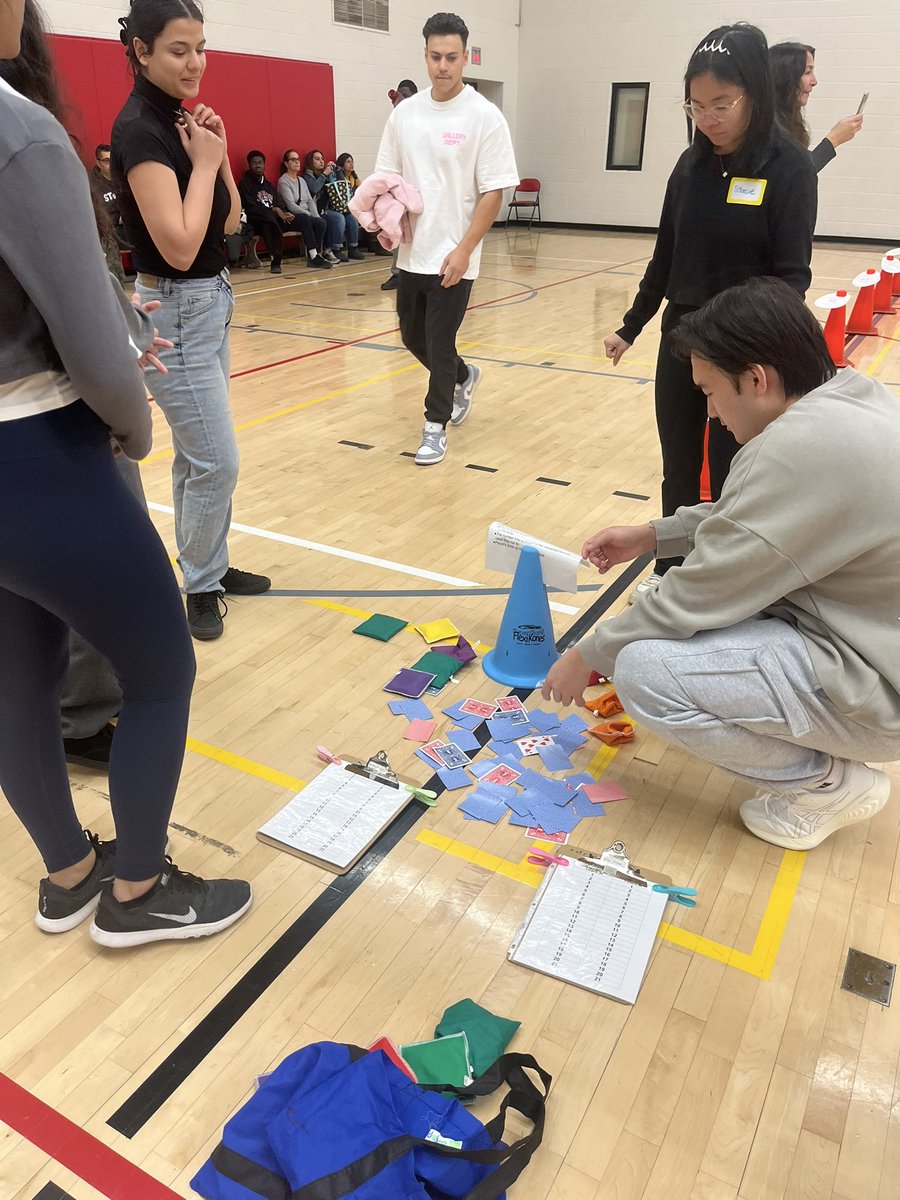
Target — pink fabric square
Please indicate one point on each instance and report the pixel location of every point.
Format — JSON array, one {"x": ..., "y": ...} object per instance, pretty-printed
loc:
[{"x": 418, "y": 730}]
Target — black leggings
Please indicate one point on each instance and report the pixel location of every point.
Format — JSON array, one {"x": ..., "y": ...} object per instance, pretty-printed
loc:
[
  {"x": 77, "y": 549},
  {"x": 681, "y": 415}
]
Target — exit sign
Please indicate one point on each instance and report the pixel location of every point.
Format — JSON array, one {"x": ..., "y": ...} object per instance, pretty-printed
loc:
[{"x": 476, "y": 56}]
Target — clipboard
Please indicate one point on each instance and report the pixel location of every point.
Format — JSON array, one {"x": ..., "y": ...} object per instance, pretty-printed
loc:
[
  {"x": 593, "y": 923},
  {"x": 334, "y": 820}
]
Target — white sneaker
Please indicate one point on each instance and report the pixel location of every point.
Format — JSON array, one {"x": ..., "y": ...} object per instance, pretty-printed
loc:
[
  {"x": 801, "y": 820},
  {"x": 434, "y": 444},
  {"x": 462, "y": 396},
  {"x": 650, "y": 584}
]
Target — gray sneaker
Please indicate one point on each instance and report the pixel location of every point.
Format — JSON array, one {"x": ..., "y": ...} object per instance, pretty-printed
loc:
[
  {"x": 434, "y": 444},
  {"x": 330, "y": 257},
  {"x": 178, "y": 906},
  {"x": 462, "y": 396}
]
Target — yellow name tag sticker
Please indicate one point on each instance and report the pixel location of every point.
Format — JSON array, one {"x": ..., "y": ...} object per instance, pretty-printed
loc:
[{"x": 747, "y": 191}]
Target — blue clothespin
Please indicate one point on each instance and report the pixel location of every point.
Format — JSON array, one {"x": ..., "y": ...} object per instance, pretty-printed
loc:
[{"x": 678, "y": 895}]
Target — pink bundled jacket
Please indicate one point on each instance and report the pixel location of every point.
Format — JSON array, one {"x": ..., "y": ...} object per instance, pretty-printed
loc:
[{"x": 381, "y": 205}]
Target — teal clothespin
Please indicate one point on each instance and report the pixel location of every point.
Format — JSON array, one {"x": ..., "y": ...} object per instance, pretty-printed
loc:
[{"x": 678, "y": 895}]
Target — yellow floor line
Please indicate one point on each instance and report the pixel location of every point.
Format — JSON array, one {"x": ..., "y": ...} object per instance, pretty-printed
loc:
[{"x": 247, "y": 765}]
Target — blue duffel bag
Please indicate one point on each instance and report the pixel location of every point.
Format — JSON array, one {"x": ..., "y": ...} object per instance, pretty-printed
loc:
[{"x": 335, "y": 1121}]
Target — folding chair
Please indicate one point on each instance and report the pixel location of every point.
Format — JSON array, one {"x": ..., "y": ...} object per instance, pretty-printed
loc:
[{"x": 532, "y": 188}]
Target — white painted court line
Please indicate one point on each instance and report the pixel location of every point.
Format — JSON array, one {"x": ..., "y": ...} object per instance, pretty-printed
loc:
[
  {"x": 386, "y": 563},
  {"x": 284, "y": 287}
]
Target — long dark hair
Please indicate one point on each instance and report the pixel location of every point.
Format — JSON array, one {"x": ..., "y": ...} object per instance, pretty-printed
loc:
[
  {"x": 738, "y": 54},
  {"x": 787, "y": 61},
  {"x": 33, "y": 75},
  {"x": 339, "y": 163},
  {"x": 146, "y": 21},
  {"x": 308, "y": 161}
]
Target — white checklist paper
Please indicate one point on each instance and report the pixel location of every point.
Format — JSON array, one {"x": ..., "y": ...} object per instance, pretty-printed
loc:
[
  {"x": 591, "y": 929},
  {"x": 504, "y": 545},
  {"x": 335, "y": 818}
]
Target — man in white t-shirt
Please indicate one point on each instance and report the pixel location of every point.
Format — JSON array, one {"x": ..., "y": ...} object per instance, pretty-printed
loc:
[{"x": 454, "y": 146}]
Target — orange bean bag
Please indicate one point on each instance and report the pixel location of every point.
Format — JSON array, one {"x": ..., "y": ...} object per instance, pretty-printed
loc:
[
  {"x": 614, "y": 733},
  {"x": 607, "y": 705}
]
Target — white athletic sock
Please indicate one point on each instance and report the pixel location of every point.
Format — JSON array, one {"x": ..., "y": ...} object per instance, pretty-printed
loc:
[
  {"x": 833, "y": 779},
  {"x": 313, "y": 254}
]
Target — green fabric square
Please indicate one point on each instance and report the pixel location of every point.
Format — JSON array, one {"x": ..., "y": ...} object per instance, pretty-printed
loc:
[
  {"x": 487, "y": 1035},
  {"x": 445, "y": 1060},
  {"x": 442, "y": 666},
  {"x": 380, "y": 627}
]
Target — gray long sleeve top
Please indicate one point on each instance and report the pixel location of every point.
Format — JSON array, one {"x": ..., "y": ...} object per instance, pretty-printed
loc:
[
  {"x": 805, "y": 530},
  {"x": 60, "y": 309},
  {"x": 294, "y": 195}
]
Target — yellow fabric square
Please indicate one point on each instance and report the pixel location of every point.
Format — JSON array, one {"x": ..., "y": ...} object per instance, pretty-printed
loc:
[{"x": 437, "y": 631}]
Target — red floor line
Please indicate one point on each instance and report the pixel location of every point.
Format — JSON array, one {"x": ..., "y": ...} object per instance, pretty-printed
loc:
[
  {"x": 369, "y": 337},
  {"x": 72, "y": 1147}
]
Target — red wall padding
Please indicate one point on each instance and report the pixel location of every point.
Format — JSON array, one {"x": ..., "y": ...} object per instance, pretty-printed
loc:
[{"x": 268, "y": 104}]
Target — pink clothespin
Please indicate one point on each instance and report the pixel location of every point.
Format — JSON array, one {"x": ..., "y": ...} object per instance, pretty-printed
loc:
[
  {"x": 327, "y": 756},
  {"x": 543, "y": 858}
]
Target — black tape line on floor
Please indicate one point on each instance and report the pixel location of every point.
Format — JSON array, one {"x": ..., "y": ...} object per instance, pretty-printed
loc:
[
  {"x": 165, "y": 1080},
  {"x": 631, "y": 495},
  {"x": 52, "y": 1191}
]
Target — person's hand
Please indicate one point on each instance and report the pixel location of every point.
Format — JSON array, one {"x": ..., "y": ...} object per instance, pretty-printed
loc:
[
  {"x": 615, "y": 347},
  {"x": 203, "y": 146},
  {"x": 149, "y": 357},
  {"x": 454, "y": 267},
  {"x": 330, "y": 168},
  {"x": 618, "y": 544},
  {"x": 846, "y": 128},
  {"x": 208, "y": 119},
  {"x": 567, "y": 679},
  {"x": 287, "y": 217}
]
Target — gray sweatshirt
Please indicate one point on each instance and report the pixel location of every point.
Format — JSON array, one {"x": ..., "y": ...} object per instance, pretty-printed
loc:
[
  {"x": 806, "y": 530},
  {"x": 294, "y": 195},
  {"x": 60, "y": 309}
]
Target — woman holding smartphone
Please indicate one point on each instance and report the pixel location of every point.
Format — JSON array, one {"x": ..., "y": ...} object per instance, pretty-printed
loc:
[
  {"x": 740, "y": 202},
  {"x": 794, "y": 77},
  {"x": 178, "y": 200}
]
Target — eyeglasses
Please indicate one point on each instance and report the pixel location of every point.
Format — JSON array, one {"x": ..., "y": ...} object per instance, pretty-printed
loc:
[
  {"x": 292, "y": 158},
  {"x": 718, "y": 112}
]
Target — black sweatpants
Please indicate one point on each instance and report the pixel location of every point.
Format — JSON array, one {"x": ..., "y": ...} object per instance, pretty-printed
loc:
[
  {"x": 271, "y": 229},
  {"x": 681, "y": 416},
  {"x": 312, "y": 228},
  {"x": 77, "y": 549},
  {"x": 430, "y": 316}
]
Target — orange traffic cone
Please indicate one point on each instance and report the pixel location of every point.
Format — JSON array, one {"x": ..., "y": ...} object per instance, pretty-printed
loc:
[
  {"x": 836, "y": 326},
  {"x": 861, "y": 322},
  {"x": 884, "y": 288}
]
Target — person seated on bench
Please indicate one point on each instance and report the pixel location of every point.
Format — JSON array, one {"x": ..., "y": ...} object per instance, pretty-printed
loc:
[
  {"x": 294, "y": 196},
  {"x": 316, "y": 173},
  {"x": 265, "y": 215},
  {"x": 342, "y": 184}
]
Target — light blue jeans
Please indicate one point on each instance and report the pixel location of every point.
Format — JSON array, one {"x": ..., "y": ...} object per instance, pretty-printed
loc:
[
  {"x": 747, "y": 699},
  {"x": 195, "y": 314},
  {"x": 352, "y": 229}
]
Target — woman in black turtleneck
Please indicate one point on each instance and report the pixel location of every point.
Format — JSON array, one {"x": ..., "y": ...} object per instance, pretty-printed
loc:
[
  {"x": 740, "y": 202},
  {"x": 178, "y": 200}
]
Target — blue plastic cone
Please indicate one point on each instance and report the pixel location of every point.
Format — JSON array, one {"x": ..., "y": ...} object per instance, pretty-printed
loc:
[{"x": 525, "y": 649}]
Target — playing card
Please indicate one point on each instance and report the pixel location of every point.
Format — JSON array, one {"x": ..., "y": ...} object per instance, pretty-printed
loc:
[
  {"x": 431, "y": 751},
  {"x": 513, "y": 716},
  {"x": 501, "y": 774},
  {"x": 509, "y": 703},
  {"x": 531, "y": 745},
  {"x": 537, "y": 834},
  {"x": 452, "y": 756},
  {"x": 419, "y": 730},
  {"x": 478, "y": 708}
]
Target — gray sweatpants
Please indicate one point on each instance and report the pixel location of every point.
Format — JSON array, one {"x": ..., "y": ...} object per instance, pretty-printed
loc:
[
  {"x": 91, "y": 692},
  {"x": 745, "y": 698}
]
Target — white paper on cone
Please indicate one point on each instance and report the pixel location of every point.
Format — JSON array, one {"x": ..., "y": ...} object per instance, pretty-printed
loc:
[{"x": 559, "y": 567}]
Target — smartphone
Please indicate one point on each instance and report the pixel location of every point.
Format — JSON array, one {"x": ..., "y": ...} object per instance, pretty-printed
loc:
[{"x": 862, "y": 103}]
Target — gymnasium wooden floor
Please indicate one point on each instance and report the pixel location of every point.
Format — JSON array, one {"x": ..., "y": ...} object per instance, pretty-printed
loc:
[{"x": 743, "y": 1071}]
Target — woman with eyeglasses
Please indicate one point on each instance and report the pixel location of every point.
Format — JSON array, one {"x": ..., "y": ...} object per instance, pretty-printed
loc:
[
  {"x": 794, "y": 77},
  {"x": 741, "y": 202},
  {"x": 294, "y": 195}
]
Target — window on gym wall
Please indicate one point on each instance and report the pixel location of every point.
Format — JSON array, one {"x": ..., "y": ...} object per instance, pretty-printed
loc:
[
  {"x": 363, "y": 14},
  {"x": 627, "y": 125}
]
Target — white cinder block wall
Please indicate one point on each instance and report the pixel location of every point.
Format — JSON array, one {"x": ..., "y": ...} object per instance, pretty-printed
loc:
[
  {"x": 366, "y": 64},
  {"x": 571, "y": 51}
]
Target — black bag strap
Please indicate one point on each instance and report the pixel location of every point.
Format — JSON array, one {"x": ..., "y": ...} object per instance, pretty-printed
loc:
[{"x": 510, "y": 1161}]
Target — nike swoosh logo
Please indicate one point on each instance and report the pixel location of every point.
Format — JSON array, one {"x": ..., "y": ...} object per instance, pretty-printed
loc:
[{"x": 187, "y": 918}]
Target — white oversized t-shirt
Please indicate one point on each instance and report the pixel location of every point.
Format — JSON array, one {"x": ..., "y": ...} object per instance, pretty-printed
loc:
[{"x": 452, "y": 152}]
